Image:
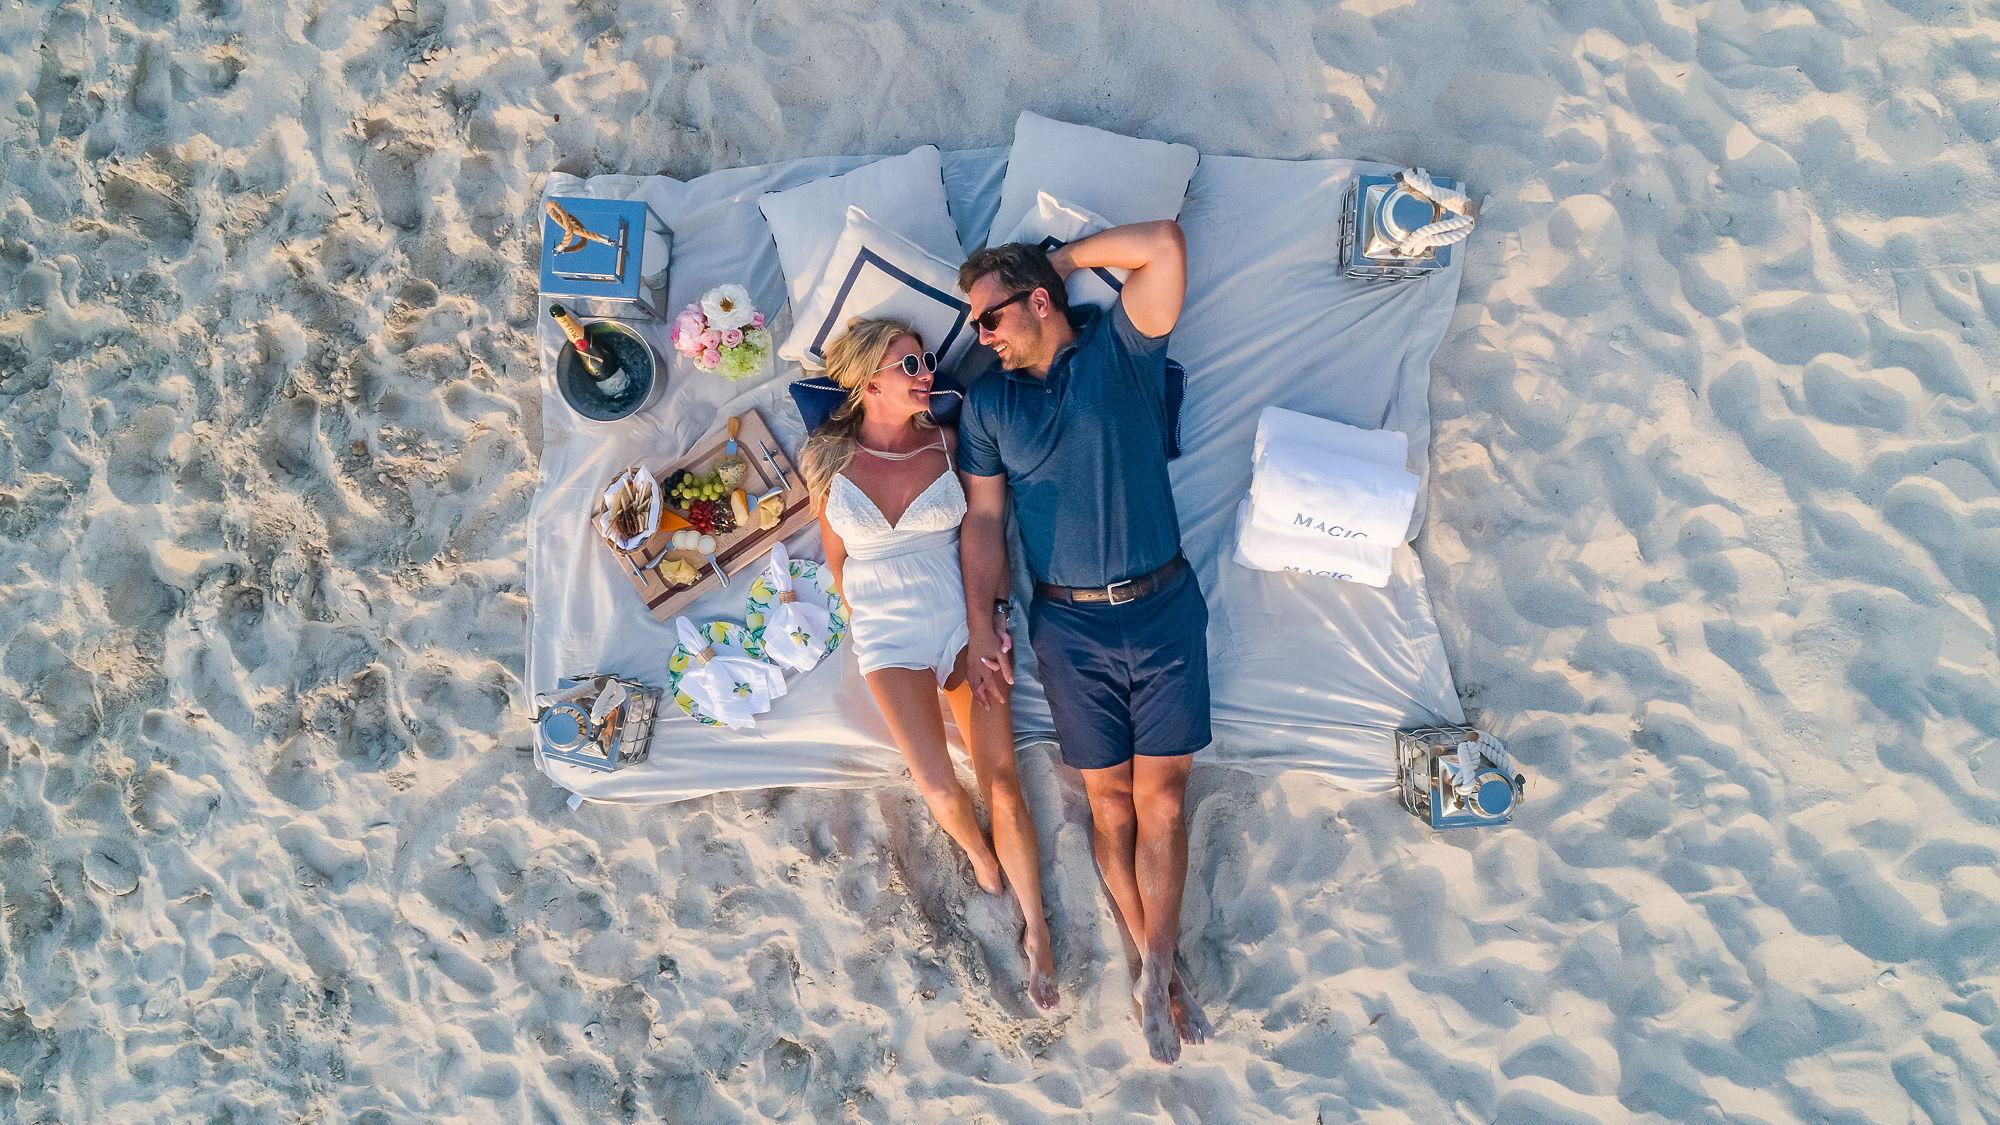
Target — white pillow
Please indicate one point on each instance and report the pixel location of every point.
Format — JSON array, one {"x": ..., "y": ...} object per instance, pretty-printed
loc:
[
  {"x": 1054, "y": 223},
  {"x": 906, "y": 190},
  {"x": 873, "y": 271},
  {"x": 1124, "y": 179}
]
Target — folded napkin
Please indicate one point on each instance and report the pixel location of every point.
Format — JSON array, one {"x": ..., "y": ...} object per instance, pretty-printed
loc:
[
  {"x": 1296, "y": 488},
  {"x": 610, "y": 699},
  {"x": 795, "y": 630},
  {"x": 1354, "y": 560},
  {"x": 727, "y": 683}
]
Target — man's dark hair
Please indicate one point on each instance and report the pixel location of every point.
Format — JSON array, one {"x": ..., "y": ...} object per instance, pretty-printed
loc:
[{"x": 1021, "y": 266}]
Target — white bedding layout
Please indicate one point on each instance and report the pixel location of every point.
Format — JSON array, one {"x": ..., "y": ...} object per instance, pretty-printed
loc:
[{"x": 1307, "y": 673}]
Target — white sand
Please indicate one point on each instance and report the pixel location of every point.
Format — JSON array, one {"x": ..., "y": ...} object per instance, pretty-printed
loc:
[{"x": 1714, "y": 539}]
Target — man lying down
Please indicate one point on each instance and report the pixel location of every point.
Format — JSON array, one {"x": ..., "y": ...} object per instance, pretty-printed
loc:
[{"x": 1074, "y": 428}]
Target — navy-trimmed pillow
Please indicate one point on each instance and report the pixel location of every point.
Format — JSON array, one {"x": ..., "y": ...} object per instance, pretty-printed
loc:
[
  {"x": 818, "y": 397},
  {"x": 875, "y": 272}
]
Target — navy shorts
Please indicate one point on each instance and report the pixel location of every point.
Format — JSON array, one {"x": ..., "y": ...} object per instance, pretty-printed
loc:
[{"x": 1125, "y": 679}]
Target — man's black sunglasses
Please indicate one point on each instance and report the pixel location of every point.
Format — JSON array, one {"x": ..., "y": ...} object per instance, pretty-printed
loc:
[{"x": 990, "y": 319}]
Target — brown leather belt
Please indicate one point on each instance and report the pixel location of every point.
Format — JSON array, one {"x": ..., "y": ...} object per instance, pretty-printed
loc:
[{"x": 1118, "y": 593}]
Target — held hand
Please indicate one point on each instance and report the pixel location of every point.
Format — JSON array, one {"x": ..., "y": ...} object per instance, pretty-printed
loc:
[
  {"x": 1005, "y": 662},
  {"x": 990, "y": 667}
]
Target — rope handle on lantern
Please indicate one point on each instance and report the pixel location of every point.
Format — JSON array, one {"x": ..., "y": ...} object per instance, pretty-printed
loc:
[
  {"x": 574, "y": 232},
  {"x": 1455, "y": 227},
  {"x": 1470, "y": 752}
]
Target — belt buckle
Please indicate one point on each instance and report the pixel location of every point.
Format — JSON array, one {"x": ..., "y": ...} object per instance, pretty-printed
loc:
[{"x": 1111, "y": 592}]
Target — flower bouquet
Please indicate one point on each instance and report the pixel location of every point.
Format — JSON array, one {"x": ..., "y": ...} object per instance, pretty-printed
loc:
[{"x": 723, "y": 333}]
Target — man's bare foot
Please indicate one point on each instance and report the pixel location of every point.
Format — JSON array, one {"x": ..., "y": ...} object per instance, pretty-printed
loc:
[
  {"x": 1156, "y": 1017},
  {"x": 1041, "y": 969},
  {"x": 1189, "y": 1020}
]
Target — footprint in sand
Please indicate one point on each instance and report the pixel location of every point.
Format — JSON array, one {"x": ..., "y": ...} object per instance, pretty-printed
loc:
[
  {"x": 788, "y": 1071},
  {"x": 144, "y": 197},
  {"x": 372, "y": 730},
  {"x": 113, "y": 867}
]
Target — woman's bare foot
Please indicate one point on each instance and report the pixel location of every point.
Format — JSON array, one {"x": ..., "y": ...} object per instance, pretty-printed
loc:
[
  {"x": 1041, "y": 969},
  {"x": 986, "y": 869},
  {"x": 1156, "y": 1016}
]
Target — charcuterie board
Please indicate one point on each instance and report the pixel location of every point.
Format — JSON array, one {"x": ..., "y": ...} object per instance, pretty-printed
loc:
[{"x": 735, "y": 550}]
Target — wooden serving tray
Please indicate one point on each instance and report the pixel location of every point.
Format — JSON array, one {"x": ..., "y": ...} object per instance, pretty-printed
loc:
[{"x": 736, "y": 550}]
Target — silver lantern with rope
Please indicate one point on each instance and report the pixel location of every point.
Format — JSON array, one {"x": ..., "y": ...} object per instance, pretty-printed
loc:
[
  {"x": 597, "y": 722},
  {"x": 1457, "y": 777},
  {"x": 1403, "y": 226}
]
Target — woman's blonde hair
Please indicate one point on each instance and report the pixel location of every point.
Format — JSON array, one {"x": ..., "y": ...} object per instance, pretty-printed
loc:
[{"x": 853, "y": 359}]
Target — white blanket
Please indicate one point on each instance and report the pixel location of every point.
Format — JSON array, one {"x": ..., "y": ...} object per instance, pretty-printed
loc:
[{"x": 1268, "y": 322}]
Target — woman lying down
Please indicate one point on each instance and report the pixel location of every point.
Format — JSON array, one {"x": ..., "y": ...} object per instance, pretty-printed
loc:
[{"x": 881, "y": 474}]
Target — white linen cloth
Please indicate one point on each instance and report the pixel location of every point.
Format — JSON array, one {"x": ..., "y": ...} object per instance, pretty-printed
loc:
[
  {"x": 1260, "y": 252},
  {"x": 1296, "y": 488},
  {"x": 1352, "y": 560},
  {"x": 795, "y": 631},
  {"x": 728, "y": 684}
]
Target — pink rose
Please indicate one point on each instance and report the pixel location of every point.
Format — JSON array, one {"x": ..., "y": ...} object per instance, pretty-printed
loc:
[
  {"x": 732, "y": 337},
  {"x": 689, "y": 325},
  {"x": 711, "y": 339},
  {"x": 757, "y": 320},
  {"x": 711, "y": 358}
]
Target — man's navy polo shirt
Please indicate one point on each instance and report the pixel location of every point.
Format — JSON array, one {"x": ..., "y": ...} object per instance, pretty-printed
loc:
[{"x": 1083, "y": 451}]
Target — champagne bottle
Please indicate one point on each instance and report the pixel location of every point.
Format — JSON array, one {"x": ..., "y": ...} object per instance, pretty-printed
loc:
[{"x": 597, "y": 365}]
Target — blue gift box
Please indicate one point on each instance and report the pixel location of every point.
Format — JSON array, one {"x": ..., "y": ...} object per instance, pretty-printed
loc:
[
  {"x": 624, "y": 277},
  {"x": 1378, "y": 205}
]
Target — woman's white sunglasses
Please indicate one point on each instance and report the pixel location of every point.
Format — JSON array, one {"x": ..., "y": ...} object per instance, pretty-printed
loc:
[{"x": 912, "y": 364}]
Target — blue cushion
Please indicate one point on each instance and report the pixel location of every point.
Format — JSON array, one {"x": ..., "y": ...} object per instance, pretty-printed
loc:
[
  {"x": 818, "y": 397},
  {"x": 1176, "y": 391}
]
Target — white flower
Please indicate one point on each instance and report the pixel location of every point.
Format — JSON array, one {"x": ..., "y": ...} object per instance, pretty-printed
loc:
[{"x": 727, "y": 306}]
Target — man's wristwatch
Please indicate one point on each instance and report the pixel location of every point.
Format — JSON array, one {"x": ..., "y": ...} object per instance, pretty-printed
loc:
[{"x": 1004, "y": 608}]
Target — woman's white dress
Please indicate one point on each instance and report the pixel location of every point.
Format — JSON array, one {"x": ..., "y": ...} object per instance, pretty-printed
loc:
[{"x": 905, "y": 593}]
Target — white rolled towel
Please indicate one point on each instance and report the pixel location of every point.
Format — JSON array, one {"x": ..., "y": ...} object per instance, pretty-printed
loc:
[
  {"x": 1297, "y": 489},
  {"x": 1275, "y": 423},
  {"x": 1351, "y": 560}
]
